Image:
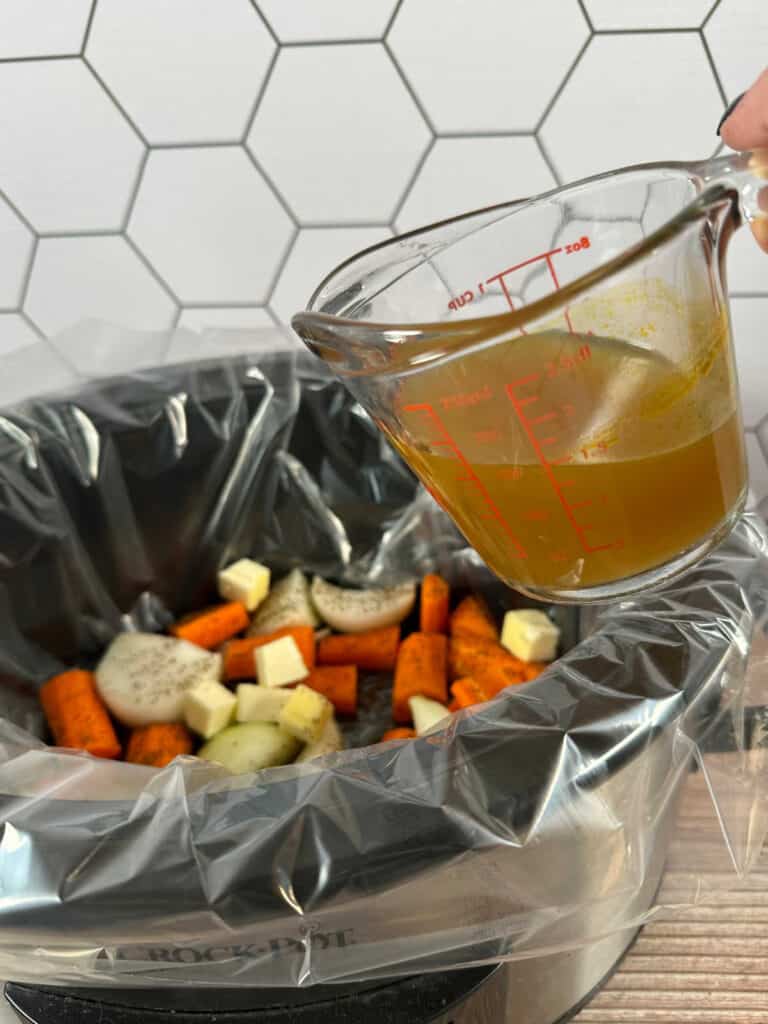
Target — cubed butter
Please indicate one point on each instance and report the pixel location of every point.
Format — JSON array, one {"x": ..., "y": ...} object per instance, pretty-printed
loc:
[
  {"x": 245, "y": 581},
  {"x": 279, "y": 663},
  {"x": 208, "y": 708},
  {"x": 306, "y": 714},
  {"x": 260, "y": 703},
  {"x": 530, "y": 635}
]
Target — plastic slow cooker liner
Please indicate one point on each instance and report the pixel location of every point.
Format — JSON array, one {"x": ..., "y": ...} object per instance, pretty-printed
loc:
[{"x": 536, "y": 823}]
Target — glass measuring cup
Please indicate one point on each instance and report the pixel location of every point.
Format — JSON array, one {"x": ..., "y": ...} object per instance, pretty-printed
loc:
[{"x": 559, "y": 372}]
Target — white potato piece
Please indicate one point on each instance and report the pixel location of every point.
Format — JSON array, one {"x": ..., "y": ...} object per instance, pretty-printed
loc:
[
  {"x": 329, "y": 742},
  {"x": 144, "y": 678},
  {"x": 288, "y": 604},
  {"x": 427, "y": 714},
  {"x": 355, "y": 611}
]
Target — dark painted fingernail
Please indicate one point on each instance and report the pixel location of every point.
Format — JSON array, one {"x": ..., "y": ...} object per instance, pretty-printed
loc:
[{"x": 729, "y": 110}]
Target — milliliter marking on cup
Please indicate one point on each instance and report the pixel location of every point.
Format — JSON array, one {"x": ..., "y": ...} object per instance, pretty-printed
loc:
[
  {"x": 520, "y": 403},
  {"x": 444, "y": 440}
]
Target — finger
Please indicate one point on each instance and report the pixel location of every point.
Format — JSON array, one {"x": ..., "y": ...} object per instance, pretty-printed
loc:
[
  {"x": 747, "y": 126},
  {"x": 760, "y": 231}
]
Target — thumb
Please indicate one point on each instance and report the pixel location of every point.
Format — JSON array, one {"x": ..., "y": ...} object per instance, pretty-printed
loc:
[{"x": 746, "y": 126}]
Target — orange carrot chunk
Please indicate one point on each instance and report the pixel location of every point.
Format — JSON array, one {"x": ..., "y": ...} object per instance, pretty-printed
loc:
[
  {"x": 157, "y": 745},
  {"x": 467, "y": 692},
  {"x": 338, "y": 683},
  {"x": 454, "y": 706},
  {"x": 77, "y": 715},
  {"x": 238, "y": 654},
  {"x": 435, "y": 604},
  {"x": 472, "y": 616},
  {"x": 421, "y": 670},
  {"x": 533, "y": 669},
  {"x": 212, "y": 626},
  {"x": 398, "y": 734},
  {"x": 489, "y": 664},
  {"x": 374, "y": 650}
]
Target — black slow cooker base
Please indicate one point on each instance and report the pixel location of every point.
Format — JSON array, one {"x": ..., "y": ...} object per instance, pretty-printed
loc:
[{"x": 418, "y": 1000}]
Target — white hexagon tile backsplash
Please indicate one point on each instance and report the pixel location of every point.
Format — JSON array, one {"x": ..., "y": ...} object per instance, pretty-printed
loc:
[{"x": 205, "y": 164}]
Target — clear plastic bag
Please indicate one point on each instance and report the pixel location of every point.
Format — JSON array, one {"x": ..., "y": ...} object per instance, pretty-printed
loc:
[{"x": 536, "y": 823}]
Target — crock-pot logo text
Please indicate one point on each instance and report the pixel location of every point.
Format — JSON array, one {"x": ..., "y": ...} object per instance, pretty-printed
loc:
[{"x": 284, "y": 946}]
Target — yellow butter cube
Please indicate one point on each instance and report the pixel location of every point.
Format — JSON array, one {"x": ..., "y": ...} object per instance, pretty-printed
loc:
[
  {"x": 279, "y": 663},
  {"x": 306, "y": 714},
  {"x": 208, "y": 708},
  {"x": 245, "y": 581},
  {"x": 530, "y": 635}
]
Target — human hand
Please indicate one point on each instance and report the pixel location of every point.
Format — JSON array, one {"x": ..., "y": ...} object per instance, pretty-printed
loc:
[{"x": 745, "y": 127}]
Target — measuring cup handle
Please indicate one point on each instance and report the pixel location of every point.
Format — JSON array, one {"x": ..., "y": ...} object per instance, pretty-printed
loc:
[{"x": 747, "y": 173}]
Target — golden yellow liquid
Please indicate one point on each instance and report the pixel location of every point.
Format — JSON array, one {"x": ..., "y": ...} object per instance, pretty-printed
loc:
[{"x": 572, "y": 461}]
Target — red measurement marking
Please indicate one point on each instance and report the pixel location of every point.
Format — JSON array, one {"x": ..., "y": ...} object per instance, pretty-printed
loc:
[
  {"x": 494, "y": 511},
  {"x": 525, "y": 263},
  {"x": 543, "y": 419},
  {"x": 547, "y": 466},
  {"x": 508, "y": 297},
  {"x": 553, "y": 275}
]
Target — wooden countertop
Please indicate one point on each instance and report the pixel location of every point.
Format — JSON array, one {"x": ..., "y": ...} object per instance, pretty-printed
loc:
[{"x": 705, "y": 965}]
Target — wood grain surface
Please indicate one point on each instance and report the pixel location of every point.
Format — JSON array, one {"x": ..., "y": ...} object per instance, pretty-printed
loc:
[{"x": 707, "y": 964}]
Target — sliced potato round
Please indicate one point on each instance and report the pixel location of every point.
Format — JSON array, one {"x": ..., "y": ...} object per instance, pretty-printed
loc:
[{"x": 251, "y": 746}]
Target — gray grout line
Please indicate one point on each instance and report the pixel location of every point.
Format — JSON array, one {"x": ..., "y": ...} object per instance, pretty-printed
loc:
[
  {"x": 31, "y": 323},
  {"x": 176, "y": 318},
  {"x": 24, "y": 289},
  {"x": 713, "y": 68},
  {"x": 272, "y": 186},
  {"x": 41, "y": 59},
  {"x": 280, "y": 268},
  {"x": 153, "y": 271},
  {"x": 260, "y": 95},
  {"x": 645, "y": 31},
  {"x": 585, "y": 12},
  {"x": 198, "y": 144},
  {"x": 81, "y": 233},
  {"x": 398, "y": 209},
  {"x": 748, "y": 295},
  {"x": 411, "y": 91},
  {"x": 564, "y": 81},
  {"x": 88, "y": 24},
  {"x": 392, "y": 17},
  {"x": 711, "y": 12},
  {"x": 9, "y": 310},
  {"x": 128, "y": 119},
  {"x": 328, "y": 225},
  {"x": 266, "y": 22},
  {"x": 304, "y": 43},
  {"x": 547, "y": 158},
  {"x": 129, "y": 206},
  {"x": 9, "y": 202},
  {"x": 490, "y": 134}
]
